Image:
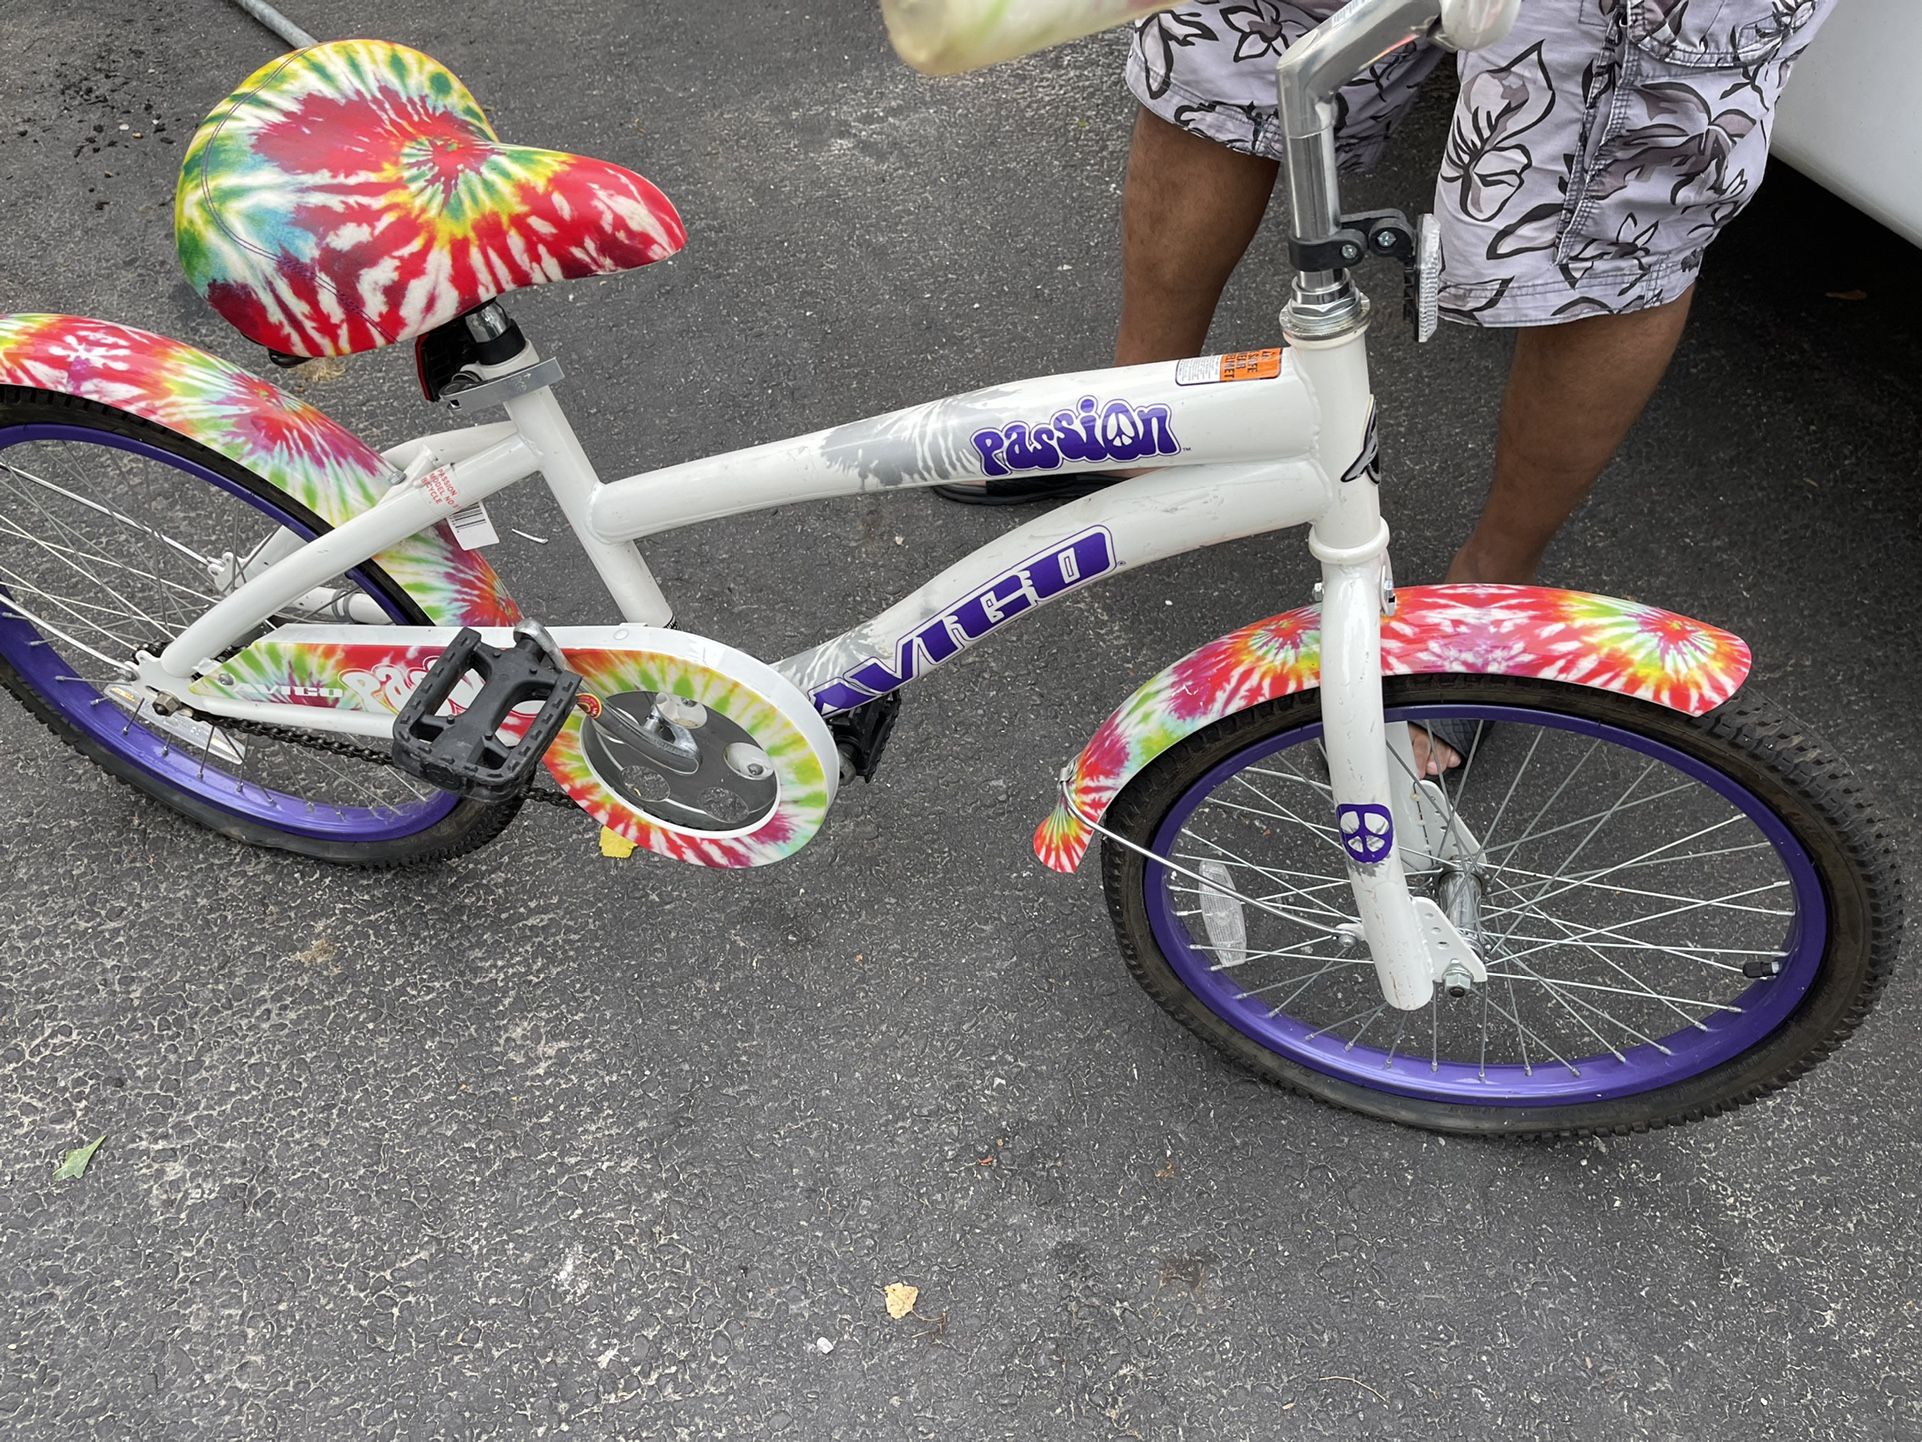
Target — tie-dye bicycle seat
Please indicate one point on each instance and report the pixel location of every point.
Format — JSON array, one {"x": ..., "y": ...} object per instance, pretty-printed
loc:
[{"x": 352, "y": 194}]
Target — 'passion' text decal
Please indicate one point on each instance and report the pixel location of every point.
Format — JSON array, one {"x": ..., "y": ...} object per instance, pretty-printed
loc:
[{"x": 1119, "y": 431}]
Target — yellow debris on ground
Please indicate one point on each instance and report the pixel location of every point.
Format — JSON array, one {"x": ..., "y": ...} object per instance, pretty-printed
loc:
[
  {"x": 901, "y": 1299},
  {"x": 614, "y": 844}
]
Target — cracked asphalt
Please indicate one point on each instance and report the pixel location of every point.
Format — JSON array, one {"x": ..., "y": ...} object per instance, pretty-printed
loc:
[{"x": 542, "y": 1143}]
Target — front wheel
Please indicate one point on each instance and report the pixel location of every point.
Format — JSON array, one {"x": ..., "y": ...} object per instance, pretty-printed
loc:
[{"x": 1678, "y": 914}]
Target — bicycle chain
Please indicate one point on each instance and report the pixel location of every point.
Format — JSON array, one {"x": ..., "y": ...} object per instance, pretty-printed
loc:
[{"x": 549, "y": 795}]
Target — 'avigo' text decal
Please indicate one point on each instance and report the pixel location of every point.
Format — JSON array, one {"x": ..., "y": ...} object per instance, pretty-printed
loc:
[{"x": 1068, "y": 564}]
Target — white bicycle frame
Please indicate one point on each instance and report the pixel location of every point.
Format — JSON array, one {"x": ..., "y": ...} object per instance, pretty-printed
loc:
[{"x": 1225, "y": 458}]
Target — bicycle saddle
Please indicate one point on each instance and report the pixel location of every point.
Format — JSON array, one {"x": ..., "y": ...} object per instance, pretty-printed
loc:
[{"x": 352, "y": 194}]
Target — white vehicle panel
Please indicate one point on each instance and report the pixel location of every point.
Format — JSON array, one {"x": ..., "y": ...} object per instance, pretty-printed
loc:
[{"x": 1851, "y": 115}]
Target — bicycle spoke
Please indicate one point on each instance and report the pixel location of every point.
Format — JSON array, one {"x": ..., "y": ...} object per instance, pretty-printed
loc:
[
  {"x": 1682, "y": 950},
  {"x": 1279, "y": 954},
  {"x": 12, "y": 602},
  {"x": 1583, "y": 820},
  {"x": 1552, "y": 982},
  {"x": 91, "y": 505},
  {"x": 1524, "y": 1030},
  {"x": 1652, "y": 916},
  {"x": 1280, "y": 813},
  {"x": 1594, "y": 876},
  {"x": 1306, "y": 893},
  {"x": 106, "y": 555},
  {"x": 1488, "y": 835},
  {"x": 1293, "y": 775},
  {"x": 1334, "y": 964},
  {"x": 1644, "y": 990},
  {"x": 74, "y": 535},
  {"x": 1371, "y": 1014}
]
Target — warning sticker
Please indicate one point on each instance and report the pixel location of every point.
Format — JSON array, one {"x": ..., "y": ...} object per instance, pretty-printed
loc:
[
  {"x": 1241, "y": 365},
  {"x": 1251, "y": 365}
]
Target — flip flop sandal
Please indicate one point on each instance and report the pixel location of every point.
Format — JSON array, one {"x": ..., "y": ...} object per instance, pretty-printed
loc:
[
  {"x": 1025, "y": 490},
  {"x": 1458, "y": 734}
]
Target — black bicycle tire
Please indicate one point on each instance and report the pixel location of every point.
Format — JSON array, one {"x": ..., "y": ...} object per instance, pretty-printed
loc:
[{"x": 1749, "y": 738}]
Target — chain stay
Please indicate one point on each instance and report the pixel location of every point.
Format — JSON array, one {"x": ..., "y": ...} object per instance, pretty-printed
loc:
[{"x": 548, "y": 795}]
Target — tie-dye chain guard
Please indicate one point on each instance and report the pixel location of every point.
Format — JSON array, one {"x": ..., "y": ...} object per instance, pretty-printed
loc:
[
  {"x": 360, "y": 669},
  {"x": 284, "y": 441},
  {"x": 1611, "y": 645}
]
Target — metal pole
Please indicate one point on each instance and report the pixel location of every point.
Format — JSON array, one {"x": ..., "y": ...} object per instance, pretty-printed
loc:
[{"x": 278, "y": 23}]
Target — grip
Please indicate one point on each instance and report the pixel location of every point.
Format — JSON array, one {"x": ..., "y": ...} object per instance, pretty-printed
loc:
[{"x": 948, "y": 37}]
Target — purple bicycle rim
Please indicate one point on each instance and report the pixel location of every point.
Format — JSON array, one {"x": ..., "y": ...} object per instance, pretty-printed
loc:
[
  {"x": 1766, "y": 1005},
  {"x": 107, "y": 725}
]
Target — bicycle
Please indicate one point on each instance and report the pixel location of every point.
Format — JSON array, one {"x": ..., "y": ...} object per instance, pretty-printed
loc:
[{"x": 1646, "y": 895}]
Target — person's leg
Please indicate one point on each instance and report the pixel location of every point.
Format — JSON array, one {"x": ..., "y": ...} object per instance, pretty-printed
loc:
[
  {"x": 1189, "y": 209},
  {"x": 1582, "y": 183},
  {"x": 1574, "y": 391}
]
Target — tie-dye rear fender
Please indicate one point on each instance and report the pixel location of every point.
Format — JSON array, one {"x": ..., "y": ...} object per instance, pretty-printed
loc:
[
  {"x": 284, "y": 441},
  {"x": 1612, "y": 645}
]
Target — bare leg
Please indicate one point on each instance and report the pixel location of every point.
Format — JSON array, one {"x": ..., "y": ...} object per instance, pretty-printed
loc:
[
  {"x": 1189, "y": 209},
  {"x": 1574, "y": 390}
]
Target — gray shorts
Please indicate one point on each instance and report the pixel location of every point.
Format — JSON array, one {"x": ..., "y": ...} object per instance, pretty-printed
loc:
[{"x": 1594, "y": 153}]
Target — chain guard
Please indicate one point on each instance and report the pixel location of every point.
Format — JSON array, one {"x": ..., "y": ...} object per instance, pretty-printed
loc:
[{"x": 784, "y": 756}]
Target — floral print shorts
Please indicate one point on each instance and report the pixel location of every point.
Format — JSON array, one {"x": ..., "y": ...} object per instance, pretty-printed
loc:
[{"x": 1594, "y": 153}]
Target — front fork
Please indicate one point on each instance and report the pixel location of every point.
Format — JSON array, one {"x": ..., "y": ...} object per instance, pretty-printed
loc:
[
  {"x": 1371, "y": 813},
  {"x": 1380, "y": 810}
]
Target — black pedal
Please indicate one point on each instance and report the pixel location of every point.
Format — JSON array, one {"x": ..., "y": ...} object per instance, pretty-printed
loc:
[{"x": 465, "y": 753}]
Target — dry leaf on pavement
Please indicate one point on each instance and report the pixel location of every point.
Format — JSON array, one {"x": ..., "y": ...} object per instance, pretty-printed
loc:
[{"x": 901, "y": 1299}]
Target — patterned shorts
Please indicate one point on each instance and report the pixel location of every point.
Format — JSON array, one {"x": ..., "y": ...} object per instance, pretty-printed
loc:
[{"x": 1594, "y": 153}]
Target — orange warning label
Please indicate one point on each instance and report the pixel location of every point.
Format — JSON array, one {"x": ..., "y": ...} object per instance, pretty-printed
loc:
[
  {"x": 1241, "y": 365},
  {"x": 1251, "y": 365}
]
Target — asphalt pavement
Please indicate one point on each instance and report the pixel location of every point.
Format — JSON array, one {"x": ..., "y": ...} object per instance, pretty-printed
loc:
[{"x": 544, "y": 1143}]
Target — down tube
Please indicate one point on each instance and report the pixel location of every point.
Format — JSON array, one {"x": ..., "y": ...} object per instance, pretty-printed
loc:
[{"x": 1146, "y": 519}]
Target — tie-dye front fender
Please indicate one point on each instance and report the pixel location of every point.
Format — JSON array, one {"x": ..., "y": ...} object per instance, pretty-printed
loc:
[
  {"x": 1612, "y": 645},
  {"x": 284, "y": 441}
]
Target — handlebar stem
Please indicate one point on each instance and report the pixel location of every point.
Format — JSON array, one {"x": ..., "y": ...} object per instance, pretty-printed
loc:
[{"x": 1326, "y": 303}]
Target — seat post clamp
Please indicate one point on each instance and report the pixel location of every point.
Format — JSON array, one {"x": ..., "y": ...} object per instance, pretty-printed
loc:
[{"x": 498, "y": 391}]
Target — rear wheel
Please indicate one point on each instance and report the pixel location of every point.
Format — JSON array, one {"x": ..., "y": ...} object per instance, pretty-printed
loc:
[
  {"x": 114, "y": 535},
  {"x": 1677, "y": 914}
]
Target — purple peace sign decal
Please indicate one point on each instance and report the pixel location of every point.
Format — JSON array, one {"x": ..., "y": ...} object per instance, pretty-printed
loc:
[{"x": 1367, "y": 833}]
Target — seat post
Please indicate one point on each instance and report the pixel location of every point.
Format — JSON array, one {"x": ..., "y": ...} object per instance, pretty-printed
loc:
[{"x": 497, "y": 337}]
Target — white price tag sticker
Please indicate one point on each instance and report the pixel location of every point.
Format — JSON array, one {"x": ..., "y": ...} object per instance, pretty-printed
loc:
[{"x": 473, "y": 528}]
